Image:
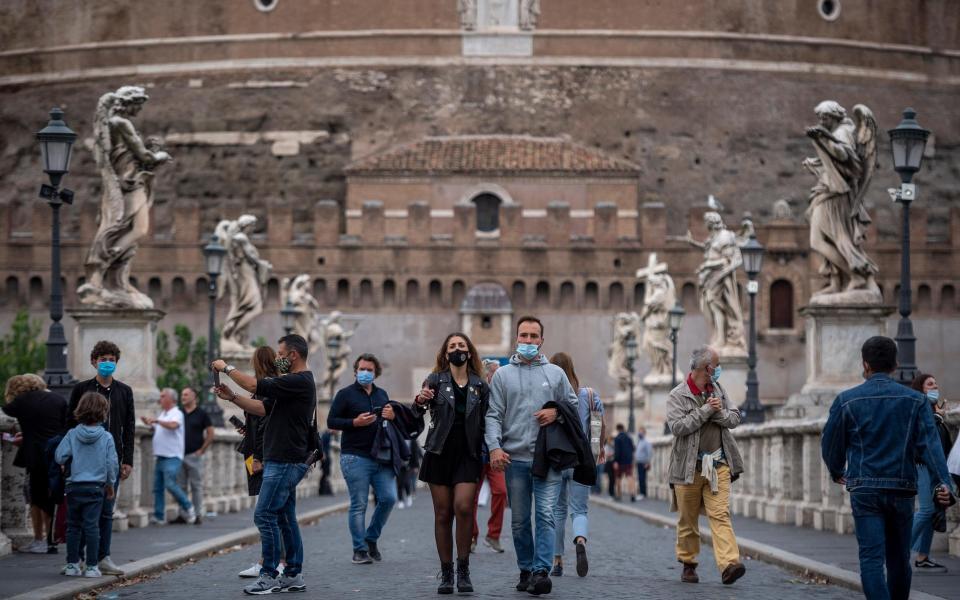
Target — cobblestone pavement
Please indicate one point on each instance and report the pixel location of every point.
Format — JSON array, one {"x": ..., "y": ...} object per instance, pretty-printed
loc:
[{"x": 629, "y": 559}]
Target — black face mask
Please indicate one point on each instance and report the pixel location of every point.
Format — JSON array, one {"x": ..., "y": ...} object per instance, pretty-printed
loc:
[{"x": 457, "y": 358}]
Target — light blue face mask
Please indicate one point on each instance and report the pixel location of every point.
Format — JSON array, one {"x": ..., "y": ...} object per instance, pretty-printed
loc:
[
  {"x": 365, "y": 377},
  {"x": 933, "y": 395},
  {"x": 106, "y": 368},
  {"x": 715, "y": 376},
  {"x": 528, "y": 351}
]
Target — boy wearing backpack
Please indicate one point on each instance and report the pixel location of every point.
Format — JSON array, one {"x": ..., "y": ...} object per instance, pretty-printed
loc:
[{"x": 93, "y": 469}]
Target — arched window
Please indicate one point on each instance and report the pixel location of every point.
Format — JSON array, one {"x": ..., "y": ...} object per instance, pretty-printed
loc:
[
  {"x": 11, "y": 291},
  {"x": 459, "y": 290},
  {"x": 320, "y": 290},
  {"x": 413, "y": 293},
  {"x": 343, "y": 292},
  {"x": 518, "y": 294},
  {"x": 591, "y": 295},
  {"x": 948, "y": 299},
  {"x": 273, "y": 292},
  {"x": 688, "y": 297},
  {"x": 435, "y": 293},
  {"x": 155, "y": 290},
  {"x": 615, "y": 300},
  {"x": 924, "y": 298},
  {"x": 638, "y": 291},
  {"x": 179, "y": 296},
  {"x": 568, "y": 298},
  {"x": 201, "y": 288},
  {"x": 781, "y": 304},
  {"x": 389, "y": 292},
  {"x": 366, "y": 293},
  {"x": 541, "y": 295},
  {"x": 36, "y": 297},
  {"x": 488, "y": 212}
]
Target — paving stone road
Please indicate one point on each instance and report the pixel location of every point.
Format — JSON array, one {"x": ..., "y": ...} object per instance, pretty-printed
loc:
[{"x": 629, "y": 559}]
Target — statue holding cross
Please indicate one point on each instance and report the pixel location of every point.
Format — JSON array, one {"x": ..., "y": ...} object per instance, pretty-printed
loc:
[{"x": 659, "y": 296}]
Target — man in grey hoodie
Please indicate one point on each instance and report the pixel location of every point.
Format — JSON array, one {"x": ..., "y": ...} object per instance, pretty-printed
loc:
[{"x": 518, "y": 392}]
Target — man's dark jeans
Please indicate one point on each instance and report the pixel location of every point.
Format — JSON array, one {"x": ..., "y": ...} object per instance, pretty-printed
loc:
[
  {"x": 84, "y": 505},
  {"x": 883, "y": 522},
  {"x": 276, "y": 517}
]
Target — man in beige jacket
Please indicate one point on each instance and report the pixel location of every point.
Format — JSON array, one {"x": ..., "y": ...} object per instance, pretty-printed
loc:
[{"x": 704, "y": 460}]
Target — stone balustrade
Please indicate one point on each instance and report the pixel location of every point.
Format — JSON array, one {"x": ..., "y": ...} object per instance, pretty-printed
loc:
[
  {"x": 225, "y": 490},
  {"x": 785, "y": 480}
]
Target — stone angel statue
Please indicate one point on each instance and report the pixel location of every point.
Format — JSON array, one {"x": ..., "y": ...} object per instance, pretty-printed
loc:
[
  {"x": 659, "y": 296},
  {"x": 845, "y": 162},
  {"x": 331, "y": 328},
  {"x": 624, "y": 325},
  {"x": 297, "y": 293},
  {"x": 245, "y": 278},
  {"x": 126, "y": 164}
]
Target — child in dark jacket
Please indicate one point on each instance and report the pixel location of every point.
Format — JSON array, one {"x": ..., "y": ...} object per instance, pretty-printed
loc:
[{"x": 93, "y": 469}]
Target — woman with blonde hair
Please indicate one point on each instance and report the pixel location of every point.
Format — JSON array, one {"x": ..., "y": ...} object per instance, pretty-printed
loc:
[
  {"x": 572, "y": 494},
  {"x": 41, "y": 415}
]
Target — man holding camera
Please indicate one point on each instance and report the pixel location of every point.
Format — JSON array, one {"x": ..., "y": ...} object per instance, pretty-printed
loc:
[{"x": 291, "y": 402}]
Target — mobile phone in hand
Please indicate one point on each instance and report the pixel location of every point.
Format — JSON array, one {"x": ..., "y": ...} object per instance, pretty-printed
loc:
[
  {"x": 216, "y": 377},
  {"x": 236, "y": 422}
]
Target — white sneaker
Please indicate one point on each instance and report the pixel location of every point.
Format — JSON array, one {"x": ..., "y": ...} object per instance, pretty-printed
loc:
[
  {"x": 108, "y": 567},
  {"x": 409, "y": 501},
  {"x": 252, "y": 572},
  {"x": 71, "y": 570},
  {"x": 92, "y": 572},
  {"x": 279, "y": 569},
  {"x": 400, "y": 504},
  {"x": 191, "y": 516},
  {"x": 35, "y": 547}
]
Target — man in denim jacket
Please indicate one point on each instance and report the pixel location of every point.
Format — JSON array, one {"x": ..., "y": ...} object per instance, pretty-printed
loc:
[{"x": 876, "y": 434}]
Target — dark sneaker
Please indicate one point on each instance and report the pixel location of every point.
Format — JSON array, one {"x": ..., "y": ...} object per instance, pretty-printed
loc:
[
  {"x": 263, "y": 585},
  {"x": 582, "y": 565},
  {"x": 360, "y": 557},
  {"x": 373, "y": 551},
  {"x": 540, "y": 583},
  {"x": 732, "y": 573},
  {"x": 928, "y": 566},
  {"x": 294, "y": 583},
  {"x": 524, "y": 581},
  {"x": 464, "y": 585},
  {"x": 557, "y": 570},
  {"x": 446, "y": 578},
  {"x": 689, "y": 574}
]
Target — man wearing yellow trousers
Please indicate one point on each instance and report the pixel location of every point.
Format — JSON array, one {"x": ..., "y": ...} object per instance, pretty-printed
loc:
[{"x": 704, "y": 461}]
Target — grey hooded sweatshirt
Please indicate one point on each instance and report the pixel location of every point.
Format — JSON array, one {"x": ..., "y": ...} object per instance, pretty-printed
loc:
[{"x": 518, "y": 390}]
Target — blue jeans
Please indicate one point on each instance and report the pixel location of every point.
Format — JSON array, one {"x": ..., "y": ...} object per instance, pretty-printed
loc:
[
  {"x": 922, "y": 536},
  {"x": 883, "y": 521},
  {"x": 642, "y": 479},
  {"x": 105, "y": 526},
  {"x": 539, "y": 495},
  {"x": 165, "y": 480},
  {"x": 360, "y": 473},
  {"x": 576, "y": 495},
  {"x": 84, "y": 507},
  {"x": 276, "y": 517}
]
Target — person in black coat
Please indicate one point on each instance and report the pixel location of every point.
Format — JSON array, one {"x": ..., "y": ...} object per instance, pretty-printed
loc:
[
  {"x": 457, "y": 396},
  {"x": 41, "y": 415},
  {"x": 121, "y": 423}
]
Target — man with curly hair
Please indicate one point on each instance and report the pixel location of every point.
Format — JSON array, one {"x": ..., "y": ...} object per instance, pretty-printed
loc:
[{"x": 120, "y": 424}]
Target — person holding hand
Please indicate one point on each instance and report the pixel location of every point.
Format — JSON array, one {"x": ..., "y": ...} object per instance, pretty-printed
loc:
[
  {"x": 704, "y": 461},
  {"x": 355, "y": 410},
  {"x": 518, "y": 392},
  {"x": 457, "y": 396}
]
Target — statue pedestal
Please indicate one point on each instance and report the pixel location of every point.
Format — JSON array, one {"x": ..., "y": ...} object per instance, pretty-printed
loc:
[
  {"x": 834, "y": 336},
  {"x": 655, "y": 411},
  {"x": 619, "y": 409},
  {"x": 134, "y": 331},
  {"x": 734, "y": 377}
]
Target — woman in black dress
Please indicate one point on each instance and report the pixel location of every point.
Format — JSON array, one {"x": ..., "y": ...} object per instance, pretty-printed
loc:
[{"x": 457, "y": 396}]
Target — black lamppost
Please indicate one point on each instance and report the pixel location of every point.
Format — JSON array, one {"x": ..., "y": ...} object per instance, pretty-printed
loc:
[
  {"x": 56, "y": 141},
  {"x": 213, "y": 255},
  {"x": 752, "y": 252},
  {"x": 333, "y": 362},
  {"x": 676, "y": 320},
  {"x": 288, "y": 316},
  {"x": 631, "y": 345},
  {"x": 908, "y": 141}
]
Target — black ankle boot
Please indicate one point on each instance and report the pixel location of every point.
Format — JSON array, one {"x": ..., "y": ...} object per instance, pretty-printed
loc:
[
  {"x": 446, "y": 578},
  {"x": 463, "y": 576}
]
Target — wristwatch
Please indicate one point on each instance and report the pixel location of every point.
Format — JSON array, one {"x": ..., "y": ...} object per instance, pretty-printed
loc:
[{"x": 227, "y": 369}]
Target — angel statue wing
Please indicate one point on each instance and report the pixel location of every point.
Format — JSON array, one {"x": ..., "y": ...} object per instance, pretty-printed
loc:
[
  {"x": 866, "y": 135},
  {"x": 222, "y": 231}
]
